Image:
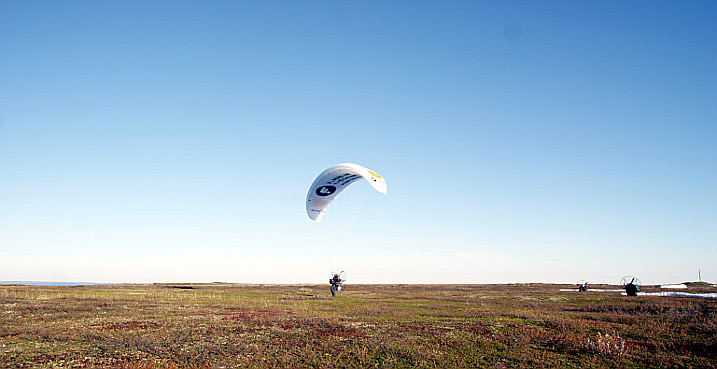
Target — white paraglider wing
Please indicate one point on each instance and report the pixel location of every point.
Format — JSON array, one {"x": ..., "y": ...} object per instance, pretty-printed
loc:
[{"x": 332, "y": 181}]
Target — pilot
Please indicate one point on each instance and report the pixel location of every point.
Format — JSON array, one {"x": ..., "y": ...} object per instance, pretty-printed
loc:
[{"x": 335, "y": 283}]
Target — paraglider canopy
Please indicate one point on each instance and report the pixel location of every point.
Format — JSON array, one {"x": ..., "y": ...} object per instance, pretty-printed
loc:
[{"x": 332, "y": 181}]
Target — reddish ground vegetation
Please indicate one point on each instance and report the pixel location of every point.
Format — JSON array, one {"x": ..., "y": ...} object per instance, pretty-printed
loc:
[{"x": 224, "y": 326}]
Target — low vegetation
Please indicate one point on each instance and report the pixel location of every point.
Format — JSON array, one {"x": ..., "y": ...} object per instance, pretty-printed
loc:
[{"x": 423, "y": 326}]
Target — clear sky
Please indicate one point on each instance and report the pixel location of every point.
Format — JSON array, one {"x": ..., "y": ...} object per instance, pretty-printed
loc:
[{"x": 522, "y": 141}]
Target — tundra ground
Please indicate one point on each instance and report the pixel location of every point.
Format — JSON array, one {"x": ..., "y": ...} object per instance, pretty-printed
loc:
[{"x": 421, "y": 326}]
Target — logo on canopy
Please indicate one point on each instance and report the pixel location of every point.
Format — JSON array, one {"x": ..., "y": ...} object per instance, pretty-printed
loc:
[{"x": 325, "y": 190}]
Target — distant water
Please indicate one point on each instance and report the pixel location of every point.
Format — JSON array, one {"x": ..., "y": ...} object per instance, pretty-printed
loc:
[
  {"x": 41, "y": 283},
  {"x": 708, "y": 295},
  {"x": 712, "y": 295}
]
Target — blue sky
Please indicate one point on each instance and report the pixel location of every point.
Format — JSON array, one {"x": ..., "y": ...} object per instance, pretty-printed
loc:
[{"x": 521, "y": 141}]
